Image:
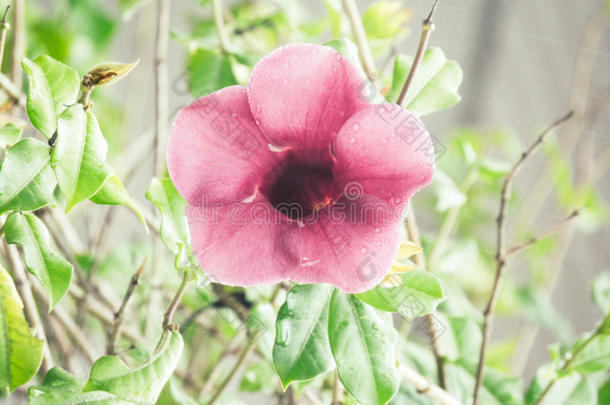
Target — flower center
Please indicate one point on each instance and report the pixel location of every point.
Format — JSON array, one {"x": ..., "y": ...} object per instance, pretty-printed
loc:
[{"x": 299, "y": 188}]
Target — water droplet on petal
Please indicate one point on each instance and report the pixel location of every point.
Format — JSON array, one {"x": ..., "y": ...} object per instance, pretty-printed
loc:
[
  {"x": 338, "y": 56},
  {"x": 377, "y": 230},
  {"x": 363, "y": 250},
  {"x": 352, "y": 140},
  {"x": 356, "y": 127}
]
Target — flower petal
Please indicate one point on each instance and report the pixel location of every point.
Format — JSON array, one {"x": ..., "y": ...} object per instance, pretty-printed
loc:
[
  {"x": 215, "y": 151},
  {"x": 352, "y": 248},
  {"x": 243, "y": 244},
  {"x": 385, "y": 151},
  {"x": 302, "y": 94}
]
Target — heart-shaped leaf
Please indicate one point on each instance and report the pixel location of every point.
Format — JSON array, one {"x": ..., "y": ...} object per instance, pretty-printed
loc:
[
  {"x": 363, "y": 343},
  {"x": 26, "y": 179},
  {"x": 301, "y": 350},
  {"x": 41, "y": 259},
  {"x": 20, "y": 352}
]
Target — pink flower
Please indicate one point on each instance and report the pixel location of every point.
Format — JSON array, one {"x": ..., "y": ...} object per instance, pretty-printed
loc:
[{"x": 297, "y": 177}]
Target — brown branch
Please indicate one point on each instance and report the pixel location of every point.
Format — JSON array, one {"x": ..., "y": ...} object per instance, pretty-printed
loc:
[
  {"x": 337, "y": 390},
  {"x": 411, "y": 223},
  {"x": 364, "y": 50},
  {"x": 18, "y": 41},
  {"x": 68, "y": 324},
  {"x": 545, "y": 234},
  {"x": 426, "y": 30},
  {"x": 4, "y": 26},
  {"x": 115, "y": 333},
  {"x": 240, "y": 362},
  {"x": 501, "y": 247},
  {"x": 425, "y": 387}
]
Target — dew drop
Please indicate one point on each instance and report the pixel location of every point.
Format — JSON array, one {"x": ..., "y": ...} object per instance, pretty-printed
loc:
[
  {"x": 338, "y": 56},
  {"x": 281, "y": 337},
  {"x": 377, "y": 230},
  {"x": 363, "y": 250},
  {"x": 356, "y": 127},
  {"x": 352, "y": 140}
]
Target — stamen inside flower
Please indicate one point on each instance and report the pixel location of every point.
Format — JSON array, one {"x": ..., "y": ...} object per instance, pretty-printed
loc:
[{"x": 298, "y": 187}]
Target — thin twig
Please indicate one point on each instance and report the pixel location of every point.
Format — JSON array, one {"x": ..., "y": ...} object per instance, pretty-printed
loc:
[
  {"x": 240, "y": 362},
  {"x": 115, "y": 333},
  {"x": 4, "y": 26},
  {"x": 18, "y": 41},
  {"x": 161, "y": 85},
  {"x": 449, "y": 221},
  {"x": 68, "y": 324},
  {"x": 104, "y": 314},
  {"x": 337, "y": 390},
  {"x": 425, "y": 387},
  {"x": 24, "y": 288},
  {"x": 420, "y": 260},
  {"x": 410, "y": 222},
  {"x": 223, "y": 40},
  {"x": 161, "y": 108},
  {"x": 427, "y": 28},
  {"x": 364, "y": 50},
  {"x": 13, "y": 91},
  {"x": 568, "y": 362},
  {"x": 545, "y": 234},
  {"x": 169, "y": 313},
  {"x": 501, "y": 247}
]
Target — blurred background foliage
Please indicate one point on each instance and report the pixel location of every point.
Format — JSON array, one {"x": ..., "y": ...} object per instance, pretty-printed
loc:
[{"x": 513, "y": 86}]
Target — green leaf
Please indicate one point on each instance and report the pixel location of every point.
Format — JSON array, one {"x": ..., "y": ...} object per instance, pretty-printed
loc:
[
  {"x": 9, "y": 135},
  {"x": 419, "y": 294},
  {"x": 41, "y": 259},
  {"x": 39, "y": 106},
  {"x": 142, "y": 384},
  {"x": 258, "y": 377},
  {"x": 208, "y": 71},
  {"x": 385, "y": 19},
  {"x": 363, "y": 343},
  {"x": 601, "y": 291},
  {"x": 497, "y": 388},
  {"x": 20, "y": 352},
  {"x": 301, "y": 350},
  {"x": 113, "y": 193},
  {"x": 434, "y": 86},
  {"x": 79, "y": 155},
  {"x": 62, "y": 80},
  {"x": 174, "y": 227},
  {"x": 595, "y": 356},
  {"x": 348, "y": 49},
  {"x": 61, "y": 387},
  {"x": 26, "y": 179}
]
